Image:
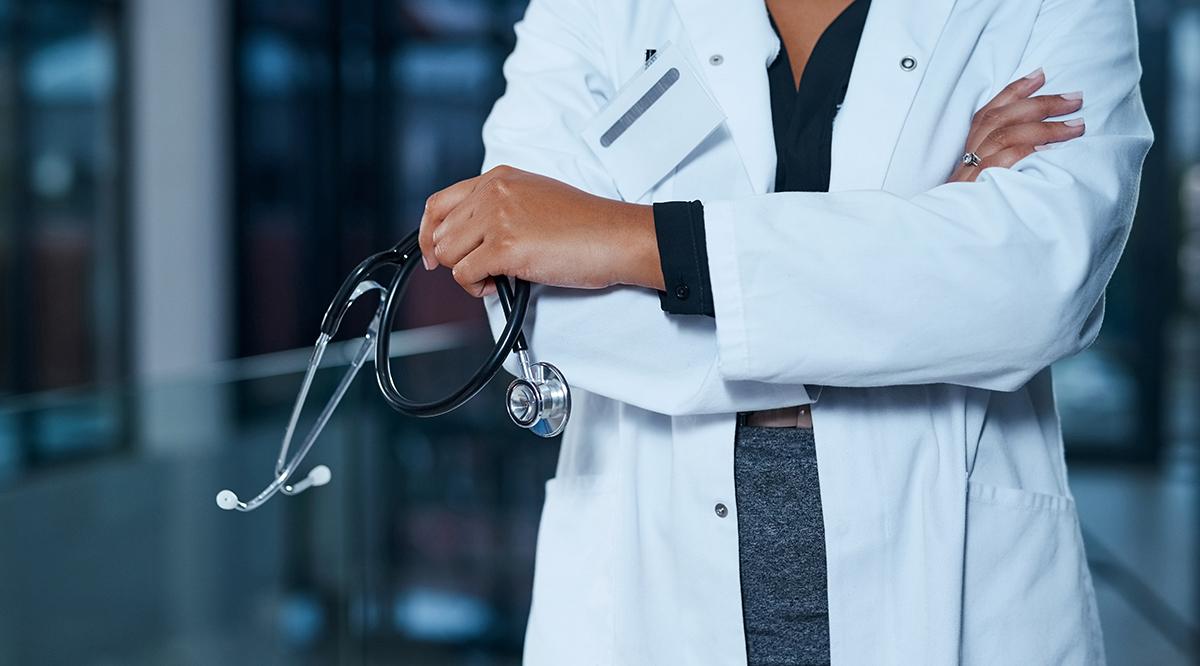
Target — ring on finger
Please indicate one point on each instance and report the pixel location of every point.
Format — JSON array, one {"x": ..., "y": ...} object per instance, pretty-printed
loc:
[{"x": 971, "y": 159}]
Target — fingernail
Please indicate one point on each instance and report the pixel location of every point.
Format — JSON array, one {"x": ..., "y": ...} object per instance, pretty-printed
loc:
[
  {"x": 429, "y": 263},
  {"x": 1074, "y": 122},
  {"x": 1034, "y": 74},
  {"x": 1044, "y": 146},
  {"x": 1072, "y": 96}
]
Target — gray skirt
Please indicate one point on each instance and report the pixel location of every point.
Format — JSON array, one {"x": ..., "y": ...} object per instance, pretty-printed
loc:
[{"x": 785, "y": 606}]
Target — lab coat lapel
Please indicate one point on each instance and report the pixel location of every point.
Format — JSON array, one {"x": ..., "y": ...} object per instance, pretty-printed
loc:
[
  {"x": 867, "y": 130},
  {"x": 740, "y": 33},
  {"x": 733, "y": 43}
]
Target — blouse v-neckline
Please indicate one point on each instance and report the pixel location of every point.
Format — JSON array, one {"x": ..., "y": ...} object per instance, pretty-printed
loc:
[{"x": 802, "y": 114}]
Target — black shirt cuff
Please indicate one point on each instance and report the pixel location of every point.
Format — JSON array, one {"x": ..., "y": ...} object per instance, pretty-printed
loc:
[{"x": 679, "y": 228}]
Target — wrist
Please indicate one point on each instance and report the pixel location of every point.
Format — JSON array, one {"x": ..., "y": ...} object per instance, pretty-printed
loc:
[{"x": 635, "y": 247}]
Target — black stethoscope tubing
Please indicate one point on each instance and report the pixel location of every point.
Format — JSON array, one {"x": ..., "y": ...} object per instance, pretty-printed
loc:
[{"x": 405, "y": 256}]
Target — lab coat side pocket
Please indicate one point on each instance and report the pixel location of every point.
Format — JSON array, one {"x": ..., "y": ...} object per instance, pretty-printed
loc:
[
  {"x": 571, "y": 620},
  {"x": 1027, "y": 592}
]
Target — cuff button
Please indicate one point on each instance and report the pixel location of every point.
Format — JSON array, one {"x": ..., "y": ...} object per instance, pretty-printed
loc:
[{"x": 682, "y": 292}]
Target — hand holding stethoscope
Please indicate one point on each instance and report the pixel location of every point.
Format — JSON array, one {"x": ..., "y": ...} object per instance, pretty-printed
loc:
[{"x": 506, "y": 222}]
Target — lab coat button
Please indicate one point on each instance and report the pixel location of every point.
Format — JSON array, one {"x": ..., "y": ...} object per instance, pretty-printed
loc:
[
  {"x": 716, "y": 59},
  {"x": 682, "y": 292},
  {"x": 908, "y": 63},
  {"x": 721, "y": 510}
]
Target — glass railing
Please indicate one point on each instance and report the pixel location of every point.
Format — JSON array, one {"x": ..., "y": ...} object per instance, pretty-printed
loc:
[{"x": 420, "y": 550}]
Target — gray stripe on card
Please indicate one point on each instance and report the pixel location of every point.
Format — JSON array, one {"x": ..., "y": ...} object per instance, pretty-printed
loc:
[{"x": 640, "y": 107}]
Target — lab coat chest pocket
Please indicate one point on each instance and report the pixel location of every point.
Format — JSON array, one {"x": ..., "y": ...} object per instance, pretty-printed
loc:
[
  {"x": 657, "y": 118},
  {"x": 1026, "y": 575},
  {"x": 572, "y": 617}
]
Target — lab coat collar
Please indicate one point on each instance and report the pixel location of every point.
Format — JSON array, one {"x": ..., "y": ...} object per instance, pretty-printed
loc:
[{"x": 743, "y": 38}]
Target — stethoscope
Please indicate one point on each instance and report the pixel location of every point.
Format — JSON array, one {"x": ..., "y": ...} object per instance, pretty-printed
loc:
[{"x": 539, "y": 400}]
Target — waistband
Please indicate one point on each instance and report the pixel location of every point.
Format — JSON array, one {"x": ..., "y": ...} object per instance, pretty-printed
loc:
[{"x": 799, "y": 416}]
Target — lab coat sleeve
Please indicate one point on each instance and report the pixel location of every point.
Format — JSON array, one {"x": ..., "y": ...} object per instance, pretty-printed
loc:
[
  {"x": 614, "y": 342},
  {"x": 980, "y": 284}
]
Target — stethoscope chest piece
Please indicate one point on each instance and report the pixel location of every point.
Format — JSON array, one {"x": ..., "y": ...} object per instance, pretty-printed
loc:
[{"x": 541, "y": 400}]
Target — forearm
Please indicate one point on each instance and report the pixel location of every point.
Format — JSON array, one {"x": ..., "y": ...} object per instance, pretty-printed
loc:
[{"x": 979, "y": 284}]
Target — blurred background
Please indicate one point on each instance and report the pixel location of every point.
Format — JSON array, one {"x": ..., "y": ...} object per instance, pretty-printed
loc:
[{"x": 184, "y": 183}]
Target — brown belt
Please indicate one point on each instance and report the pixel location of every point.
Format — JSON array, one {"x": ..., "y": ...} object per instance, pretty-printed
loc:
[{"x": 783, "y": 417}]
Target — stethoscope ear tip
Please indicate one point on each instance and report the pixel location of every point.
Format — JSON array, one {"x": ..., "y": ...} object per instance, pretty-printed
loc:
[
  {"x": 320, "y": 475},
  {"x": 227, "y": 499}
]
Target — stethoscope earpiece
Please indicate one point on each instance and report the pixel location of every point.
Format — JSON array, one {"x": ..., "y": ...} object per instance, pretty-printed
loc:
[{"x": 228, "y": 500}]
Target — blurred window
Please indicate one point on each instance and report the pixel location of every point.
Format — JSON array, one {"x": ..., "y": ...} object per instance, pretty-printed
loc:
[
  {"x": 62, "y": 294},
  {"x": 60, "y": 194},
  {"x": 348, "y": 114}
]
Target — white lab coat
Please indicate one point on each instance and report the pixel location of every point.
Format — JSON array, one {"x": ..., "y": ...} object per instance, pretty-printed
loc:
[{"x": 920, "y": 318}]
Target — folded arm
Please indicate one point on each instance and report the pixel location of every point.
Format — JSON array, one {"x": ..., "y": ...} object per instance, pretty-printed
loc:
[{"x": 980, "y": 284}]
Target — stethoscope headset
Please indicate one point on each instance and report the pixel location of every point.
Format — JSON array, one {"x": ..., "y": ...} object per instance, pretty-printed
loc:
[{"x": 539, "y": 400}]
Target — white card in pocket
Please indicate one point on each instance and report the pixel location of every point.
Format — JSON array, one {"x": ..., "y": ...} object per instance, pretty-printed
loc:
[{"x": 655, "y": 121}]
